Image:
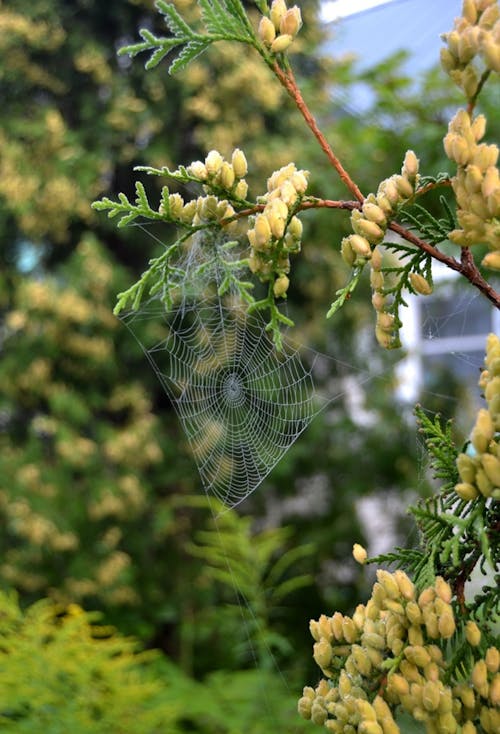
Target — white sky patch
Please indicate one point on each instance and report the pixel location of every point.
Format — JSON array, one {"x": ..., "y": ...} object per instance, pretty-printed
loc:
[{"x": 342, "y": 8}]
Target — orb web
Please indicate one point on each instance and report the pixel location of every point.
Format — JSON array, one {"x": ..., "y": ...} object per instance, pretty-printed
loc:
[{"x": 241, "y": 403}]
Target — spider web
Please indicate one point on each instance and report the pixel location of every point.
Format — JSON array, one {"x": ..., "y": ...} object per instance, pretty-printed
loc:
[{"x": 241, "y": 403}]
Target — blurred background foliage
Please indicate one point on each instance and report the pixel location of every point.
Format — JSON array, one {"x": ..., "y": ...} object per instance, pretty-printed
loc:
[{"x": 100, "y": 503}]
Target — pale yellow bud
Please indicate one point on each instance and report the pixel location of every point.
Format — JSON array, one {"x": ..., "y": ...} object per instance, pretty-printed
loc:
[
  {"x": 420, "y": 284},
  {"x": 415, "y": 635},
  {"x": 295, "y": 228},
  {"x": 314, "y": 629},
  {"x": 389, "y": 189},
  {"x": 469, "y": 11},
  {"x": 426, "y": 597},
  {"x": 378, "y": 301},
  {"x": 403, "y": 186},
  {"x": 318, "y": 713},
  {"x": 483, "y": 483},
  {"x": 361, "y": 660},
  {"x": 241, "y": 190},
  {"x": 446, "y": 626},
  {"x": 360, "y": 245},
  {"x": 372, "y": 639},
  {"x": 413, "y": 612},
  {"x": 473, "y": 179},
  {"x": 372, "y": 231},
  {"x": 468, "y": 44},
  {"x": 278, "y": 10},
  {"x": 493, "y": 207},
  {"x": 239, "y": 163},
  {"x": 385, "y": 321},
  {"x": 347, "y": 252},
  {"x": 478, "y": 127},
  {"x": 448, "y": 60},
  {"x": 304, "y": 707},
  {"x": 468, "y": 728},
  {"x": 410, "y": 166},
  {"x": 281, "y": 43},
  {"x": 276, "y": 223},
  {"x": 376, "y": 280},
  {"x": 385, "y": 578},
  {"x": 483, "y": 431},
  {"x": 384, "y": 203},
  {"x": 447, "y": 724},
  {"x": 262, "y": 231},
  {"x": 398, "y": 684},
  {"x": 381, "y": 708},
  {"x": 322, "y": 653},
  {"x": 492, "y": 659},
  {"x": 466, "y": 491},
  {"x": 491, "y": 52},
  {"x": 417, "y": 655},
  {"x": 291, "y": 22},
  {"x": 207, "y": 208},
  {"x": 491, "y": 181},
  {"x": 227, "y": 176},
  {"x": 349, "y": 631},
  {"x": 485, "y": 156},
  {"x": 489, "y": 16},
  {"x": 175, "y": 205},
  {"x": 479, "y": 676},
  {"x": 384, "y": 338},
  {"x": 198, "y": 170},
  {"x": 466, "y": 695},
  {"x": 491, "y": 466},
  {"x": 443, "y": 589},
  {"x": 430, "y": 696},
  {"x": 299, "y": 181},
  {"x": 337, "y": 627},
  {"x": 374, "y": 214},
  {"x": 466, "y": 468},
  {"x": 359, "y": 553},
  {"x": 370, "y": 727},
  {"x": 472, "y": 633},
  {"x": 213, "y": 162},
  {"x": 494, "y": 696},
  {"x": 280, "y": 286},
  {"x": 431, "y": 623},
  {"x": 452, "y": 39},
  {"x": 461, "y": 152},
  {"x": 267, "y": 31}
]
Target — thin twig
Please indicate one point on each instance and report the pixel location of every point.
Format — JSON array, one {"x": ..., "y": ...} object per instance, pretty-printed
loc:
[
  {"x": 287, "y": 79},
  {"x": 473, "y": 100},
  {"x": 466, "y": 266}
]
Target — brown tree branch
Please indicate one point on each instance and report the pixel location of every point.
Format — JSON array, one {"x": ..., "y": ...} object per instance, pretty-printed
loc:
[{"x": 287, "y": 80}]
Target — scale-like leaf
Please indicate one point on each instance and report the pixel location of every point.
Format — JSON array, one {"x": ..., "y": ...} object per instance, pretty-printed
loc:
[
  {"x": 190, "y": 51},
  {"x": 174, "y": 21},
  {"x": 216, "y": 18}
]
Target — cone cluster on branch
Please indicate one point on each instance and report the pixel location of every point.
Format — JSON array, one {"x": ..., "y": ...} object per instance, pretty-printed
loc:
[
  {"x": 278, "y": 30},
  {"x": 473, "y": 53},
  {"x": 479, "y": 468},
  {"x": 388, "y": 656},
  {"x": 476, "y": 185},
  {"x": 370, "y": 225},
  {"x": 475, "y": 37},
  {"x": 216, "y": 175},
  {"x": 276, "y": 231}
]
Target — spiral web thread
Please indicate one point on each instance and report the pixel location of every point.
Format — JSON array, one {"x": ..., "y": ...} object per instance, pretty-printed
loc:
[{"x": 241, "y": 403}]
